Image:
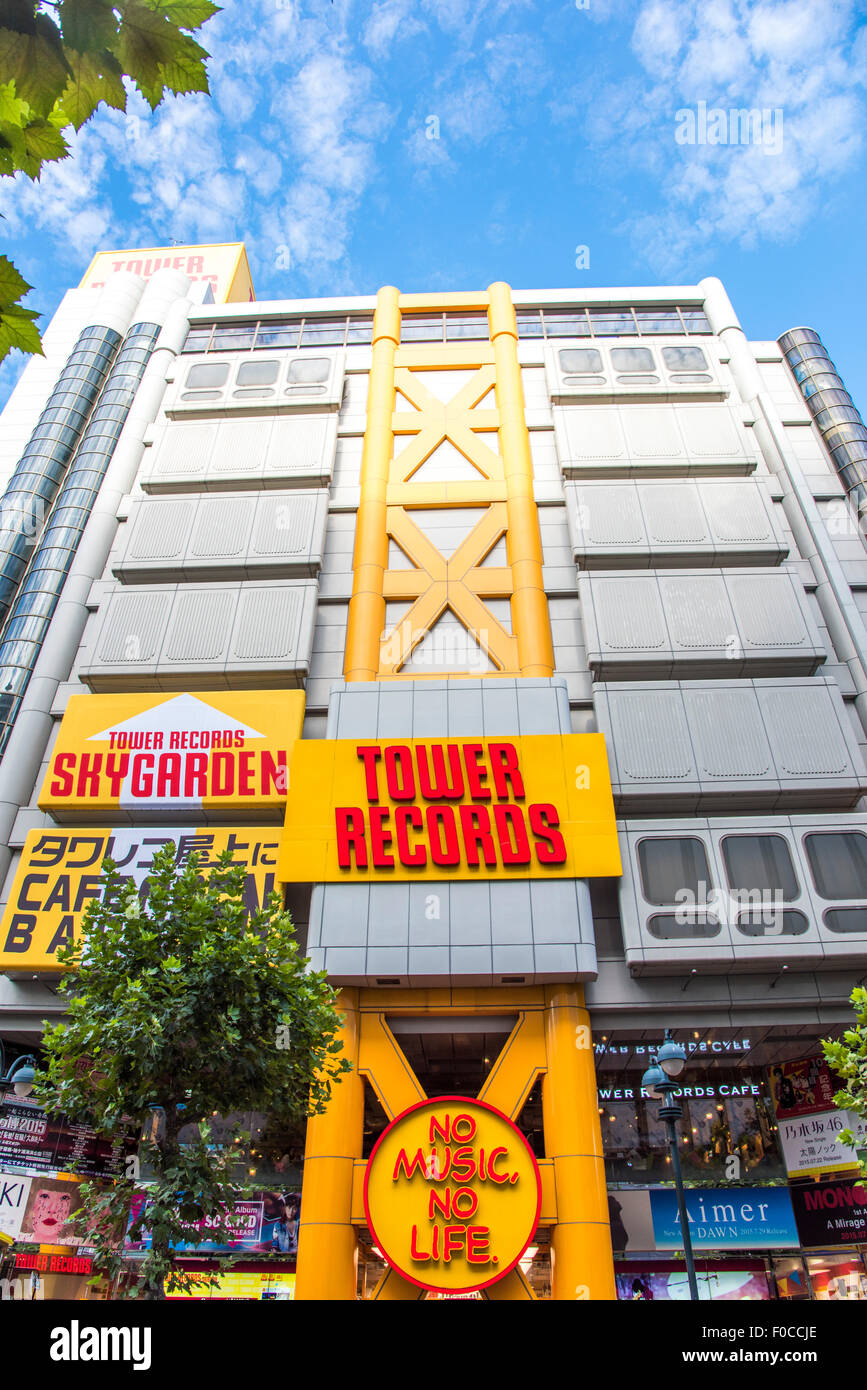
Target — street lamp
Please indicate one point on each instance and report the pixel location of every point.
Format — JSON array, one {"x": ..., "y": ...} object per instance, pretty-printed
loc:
[
  {"x": 658, "y": 1081},
  {"x": 20, "y": 1076}
]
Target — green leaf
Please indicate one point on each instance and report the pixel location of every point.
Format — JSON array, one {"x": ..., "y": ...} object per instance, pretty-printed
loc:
[
  {"x": 35, "y": 63},
  {"x": 89, "y": 26},
  {"x": 43, "y": 143},
  {"x": 12, "y": 285},
  {"x": 18, "y": 330},
  {"x": 146, "y": 43},
  {"x": 95, "y": 77},
  {"x": 12, "y": 109},
  {"x": 187, "y": 14}
]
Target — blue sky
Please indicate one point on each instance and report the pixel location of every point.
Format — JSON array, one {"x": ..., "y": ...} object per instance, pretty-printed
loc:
[{"x": 438, "y": 144}]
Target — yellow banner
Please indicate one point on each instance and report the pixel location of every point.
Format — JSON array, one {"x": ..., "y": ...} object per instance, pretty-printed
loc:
[
  {"x": 59, "y": 874},
  {"x": 222, "y": 265},
  {"x": 534, "y": 807},
  {"x": 205, "y": 755}
]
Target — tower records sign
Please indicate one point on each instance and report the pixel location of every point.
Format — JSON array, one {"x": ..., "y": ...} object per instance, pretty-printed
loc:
[{"x": 452, "y": 1195}]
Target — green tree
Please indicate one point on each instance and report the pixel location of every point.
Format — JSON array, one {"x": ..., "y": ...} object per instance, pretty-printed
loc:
[
  {"x": 179, "y": 1008},
  {"x": 57, "y": 63},
  {"x": 848, "y": 1058}
]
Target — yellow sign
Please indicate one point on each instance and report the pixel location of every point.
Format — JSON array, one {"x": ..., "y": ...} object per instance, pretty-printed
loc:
[
  {"x": 203, "y": 755},
  {"x": 59, "y": 874},
  {"x": 452, "y": 1194},
  {"x": 256, "y": 1284},
  {"x": 223, "y": 266},
  {"x": 534, "y": 807}
]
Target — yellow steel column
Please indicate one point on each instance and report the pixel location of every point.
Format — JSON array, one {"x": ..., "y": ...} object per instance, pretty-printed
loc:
[
  {"x": 370, "y": 560},
  {"x": 530, "y": 621},
  {"x": 327, "y": 1248},
  {"x": 582, "y": 1264}
]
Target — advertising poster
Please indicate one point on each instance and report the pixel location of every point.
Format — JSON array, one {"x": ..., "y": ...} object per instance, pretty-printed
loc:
[
  {"x": 121, "y": 757},
  {"x": 726, "y": 1218},
  {"x": 222, "y": 265},
  {"x": 59, "y": 873},
  {"x": 831, "y": 1213},
  {"x": 264, "y": 1284},
  {"x": 34, "y": 1142},
  {"x": 266, "y": 1223},
  {"x": 48, "y": 1215},
  {"x": 631, "y": 1220},
  {"x": 14, "y": 1192},
  {"x": 812, "y": 1147},
  {"x": 801, "y": 1088},
  {"x": 726, "y": 1285}
]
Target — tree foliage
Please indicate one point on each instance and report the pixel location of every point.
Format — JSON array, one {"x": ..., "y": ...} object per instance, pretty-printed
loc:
[
  {"x": 58, "y": 62},
  {"x": 848, "y": 1058},
  {"x": 181, "y": 1007}
]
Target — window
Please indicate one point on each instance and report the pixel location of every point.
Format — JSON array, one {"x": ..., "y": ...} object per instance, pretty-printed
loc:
[
  {"x": 666, "y": 926},
  {"x": 261, "y": 373},
  {"x": 198, "y": 339},
  {"x": 684, "y": 359},
  {"x": 769, "y": 922},
  {"x": 474, "y": 326},
  {"x": 636, "y": 379},
  {"x": 612, "y": 323},
  {"x": 695, "y": 321},
  {"x": 658, "y": 321},
  {"x": 309, "y": 369},
  {"x": 669, "y": 866},
  {"x": 759, "y": 864},
  {"x": 323, "y": 333},
  {"x": 529, "y": 324},
  {"x": 838, "y": 863},
  {"x": 632, "y": 359},
  {"x": 360, "y": 331},
  {"x": 275, "y": 335},
  {"x": 580, "y": 360},
  {"x": 561, "y": 323},
  {"x": 846, "y": 919},
  {"x": 208, "y": 374},
  {"x": 233, "y": 337},
  {"x": 421, "y": 328}
]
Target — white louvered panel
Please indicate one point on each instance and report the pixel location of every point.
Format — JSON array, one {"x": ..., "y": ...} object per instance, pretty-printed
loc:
[
  {"x": 184, "y": 449},
  {"x": 222, "y": 527},
  {"x": 698, "y": 610},
  {"x": 240, "y": 448},
  {"x": 267, "y": 626},
  {"x": 650, "y": 735},
  {"x": 804, "y": 731},
  {"x": 610, "y": 515},
  {"x": 284, "y": 524},
  {"x": 709, "y": 431},
  {"x": 629, "y": 614},
  {"x": 133, "y": 627},
  {"x": 767, "y": 610},
  {"x": 200, "y": 624},
  {"x": 727, "y": 732},
  {"x": 299, "y": 444},
  {"x": 593, "y": 432},
  {"x": 673, "y": 514},
  {"x": 736, "y": 512},
  {"x": 160, "y": 530},
  {"x": 651, "y": 432}
]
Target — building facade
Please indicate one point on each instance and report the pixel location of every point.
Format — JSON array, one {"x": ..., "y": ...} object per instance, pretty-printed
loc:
[{"x": 402, "y": 561}]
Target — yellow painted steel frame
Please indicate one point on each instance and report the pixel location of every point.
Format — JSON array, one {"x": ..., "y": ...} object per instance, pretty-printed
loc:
[
  {"x": 551, "y": 1038},
  {"x": 500, "y": 485}
]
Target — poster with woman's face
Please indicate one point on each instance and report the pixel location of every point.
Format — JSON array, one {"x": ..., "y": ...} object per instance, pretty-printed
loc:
[{"x": 47, "y": 1216}]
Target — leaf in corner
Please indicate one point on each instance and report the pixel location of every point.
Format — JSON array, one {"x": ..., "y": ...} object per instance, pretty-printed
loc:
[
  {"x": 34, "y": 64},
  {"x": 187, "y": 14},
  {"x": 12, "y": 283},
  {"x": 44, "y": 142},
  {"x": 89, "y": 26},
  {"x": 12, "y": 108},
  {"x": 145, "y": 45},
  {"x": 95, "y": 77},
  {"x": 18, "y": 330}
]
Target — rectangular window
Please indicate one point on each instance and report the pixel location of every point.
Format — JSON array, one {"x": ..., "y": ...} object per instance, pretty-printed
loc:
[
  {"x": 695, "y": 321},
  {"x": 529, "y": 324},
  {"x": 609, "y": 323},
  {"x": 760, "y": 864},
  {"x": 360, "y": 331},
  {"x": 278, "y": 335},
  {"x": 259, "y": 373},
  {"x": 580, "y": 360},
  {"x": 233, "y": 337},
  {"x": 207, "y": 374},
  {"x": 838, "y": 863},
  {"x": 632, "y": 359},
  {"x": 323, "y": 333},
  {"x": 668, "y": 866},
  {"x": 421, "y": 328},
  {"x": 658, "y": 321},
  {"x": 566, "y": 323},
  {"x": 309, "y": 369},
  {"x": 468, "y": 326},
  {"x": 198, "y": 338}
]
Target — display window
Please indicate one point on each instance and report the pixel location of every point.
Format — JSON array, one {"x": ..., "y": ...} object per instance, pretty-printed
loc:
[
  {"x": 837, "y": 1277},
  {"x": 718, "y": 1281}
]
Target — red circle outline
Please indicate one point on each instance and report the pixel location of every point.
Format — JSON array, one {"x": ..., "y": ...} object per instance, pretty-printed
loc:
[{"x": 483, "y": 1105}]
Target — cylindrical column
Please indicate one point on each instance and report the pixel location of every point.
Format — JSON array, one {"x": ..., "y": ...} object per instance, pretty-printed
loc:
[
  {"x": 370, "y": 560},
  {"x": 582, "y": 1264},
  {"x": 530, "y": 620},
  {"x": 327, "y": 1249}
]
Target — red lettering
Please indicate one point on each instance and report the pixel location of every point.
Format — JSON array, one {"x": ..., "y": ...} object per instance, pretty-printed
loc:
[
  {"x": 142, "y": 779},
  {"x": 246, "y": 786},
  {"x": 476, "y": 774},
  {"x": 414, "y": 1252},
  {"x": 116, "y": 768},
  {"x": 275, "y": 773},
  {"x": 467, "y": 1199},
  {"x": 443, "y": 1205},
  {"x": 464, "y": 1127},
  {"x": 454, "y": 1238},
  {"x": 476, "y": 827},
  {"x": 196, "y": 775},
  {"x": 380, "y": 838},
  {"x": 508, "y": 820},
  {"x": 504, "y": 764},
  {"x": 464, "y": 1164},
  {"x": 169, "y": 775},
  {"x": 438, "y": 787},
  {"x": 543, "y": 820},
  {"x": 403, "y": 1165},
  {"x": 370, "y": 755},
  {"x": 64, "y": 765},
  {"x": 495, "y": 1177},
  {"x": 398, "y": 759},
  {"x": 405, "y": 816},
  {"x": 350, "y": 836},
  {"x": 442, "y": 833},
  {"x": 222, "y": 774},
  {"x": 478, "y": 1239},
  {"x": 88, "y": 774},
  {"x": 444, "y": 1131}
]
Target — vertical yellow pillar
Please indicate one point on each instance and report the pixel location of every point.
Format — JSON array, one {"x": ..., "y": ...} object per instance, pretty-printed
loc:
[
  {"x": 327, "y": 1248},
  {"x": 530, "y": 621},
  {"x": 582, "y": 1264},
  {"x": 370, "y": 559}
]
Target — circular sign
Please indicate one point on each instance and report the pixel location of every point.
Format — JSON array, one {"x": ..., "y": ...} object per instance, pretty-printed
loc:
[{"x": 452, "y": 1194}]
